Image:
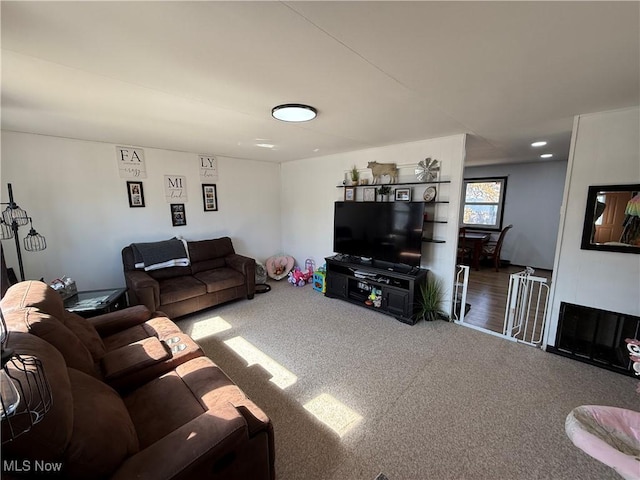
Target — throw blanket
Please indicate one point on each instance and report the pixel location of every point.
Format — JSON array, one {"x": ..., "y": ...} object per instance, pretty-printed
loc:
[{"x": 156, "y": 255}]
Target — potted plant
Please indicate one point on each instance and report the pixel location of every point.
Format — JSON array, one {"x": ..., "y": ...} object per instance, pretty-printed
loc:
[
  {"x": 384, "y": 191},
  {"x": 355, "y": 175},
  {"x": 430, "y": 301}
]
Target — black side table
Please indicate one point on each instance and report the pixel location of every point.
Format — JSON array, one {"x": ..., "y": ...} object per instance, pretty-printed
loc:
[{"x": 90, "y": 303}]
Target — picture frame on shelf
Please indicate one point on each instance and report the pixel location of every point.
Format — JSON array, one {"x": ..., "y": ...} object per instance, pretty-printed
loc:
[
  {"x": 178, "y": 216},
  {"x": 136, "y": 194},
  {"x": 369, "y": 194},
  {"x": 349, "y": 194},
  {"x": 209, "y": 197},
  {"x": 403, "y": 194}
]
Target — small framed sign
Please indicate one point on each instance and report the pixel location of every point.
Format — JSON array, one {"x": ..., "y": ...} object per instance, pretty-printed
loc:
[
  {"x": 349, "y": 194},
  {"x": 136, "y": 195},
  {"x": 178, "y": 216},
  {"x": 209, "y": 197},
  {"x": 369, "y": 194}
]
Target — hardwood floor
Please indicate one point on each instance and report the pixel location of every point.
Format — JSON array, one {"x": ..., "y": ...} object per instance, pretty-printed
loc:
[{"x": 487, "y": 295}]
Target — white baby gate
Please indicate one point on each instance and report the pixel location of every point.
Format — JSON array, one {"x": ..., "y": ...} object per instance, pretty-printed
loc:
[{"x": 526, "y": 310}]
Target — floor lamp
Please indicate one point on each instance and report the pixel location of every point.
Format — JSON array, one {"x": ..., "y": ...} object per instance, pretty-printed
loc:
[{"x": 13, "y": 217}]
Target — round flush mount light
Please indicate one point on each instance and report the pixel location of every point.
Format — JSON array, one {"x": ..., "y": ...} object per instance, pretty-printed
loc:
[
  {"x": 546, "y": 155},
  {"x": 541, "y": 143},
  {"x": 294, "y": 112}
]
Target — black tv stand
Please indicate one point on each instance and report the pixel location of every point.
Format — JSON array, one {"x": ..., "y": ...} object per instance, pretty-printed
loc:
[{"x": 352, "y": 279}]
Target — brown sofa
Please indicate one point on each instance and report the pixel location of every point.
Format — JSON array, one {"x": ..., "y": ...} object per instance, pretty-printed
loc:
[
  {"x": 173, "y": 413},
  {"x": 216, "y": 274}
]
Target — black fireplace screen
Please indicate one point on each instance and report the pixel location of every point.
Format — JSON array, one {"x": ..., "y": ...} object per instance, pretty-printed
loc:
[{"x": 596, "y": 336}]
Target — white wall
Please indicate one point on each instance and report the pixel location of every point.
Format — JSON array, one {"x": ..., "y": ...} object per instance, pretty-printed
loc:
[
  {"x": 78, "y": 201},
  {"x": 532, "y": 205},
  {"x": 605, "y": 150},
  {"x": 309, "y": 192}
]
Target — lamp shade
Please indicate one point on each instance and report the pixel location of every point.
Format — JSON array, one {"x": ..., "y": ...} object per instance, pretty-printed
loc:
[
  {"x": 633, "y": 206},
  {"x": 34, "y": 242}
]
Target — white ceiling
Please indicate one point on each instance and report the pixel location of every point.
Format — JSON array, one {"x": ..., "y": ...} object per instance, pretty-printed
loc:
[{"x": 203, "y": 76}]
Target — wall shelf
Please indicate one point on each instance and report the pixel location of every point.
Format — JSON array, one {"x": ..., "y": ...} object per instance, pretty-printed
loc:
[{"x": 376, "y": 185}]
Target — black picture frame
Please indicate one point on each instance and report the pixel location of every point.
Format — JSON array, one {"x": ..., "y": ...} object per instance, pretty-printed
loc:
[
  {"x": 402, "y": 195},
  {"x": 589, "y": 227},
  {"x": 135, "y": 194},
  {"x": 178, "y": 215},
  {"x": 209, "y": 197}
]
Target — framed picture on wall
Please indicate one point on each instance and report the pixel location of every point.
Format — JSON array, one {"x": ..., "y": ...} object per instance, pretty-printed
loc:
[
  {"x": 136, "y": 195},
  {"x": 178, "y": 216},
  {"x": 209, "y": 197}
]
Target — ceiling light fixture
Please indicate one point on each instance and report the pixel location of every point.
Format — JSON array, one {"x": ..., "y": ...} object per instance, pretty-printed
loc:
[
  {"x": 541, "y": 143},
  {"x": 546, "y": 155},
  {"x": 294, "y": 112}
]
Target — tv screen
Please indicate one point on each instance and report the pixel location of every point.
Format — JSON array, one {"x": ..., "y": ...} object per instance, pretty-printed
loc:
[{"x": 385, "y": 231}]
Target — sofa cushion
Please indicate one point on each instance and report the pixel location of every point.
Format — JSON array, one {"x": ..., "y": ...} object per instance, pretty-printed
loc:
[
  {"x": 220, "y": 279},
  {"x": 180, "y": 288},
  {"x": 103, "y": 433},
  {"x": 86, "y": 333},
  {"x": 161, "y": 406},
  {"x": 209, "y": 254},
  {"x": 207, "y": 265},
  {"x": 168, "y": 402},
  {"x": 47, "y": 327},
  {"x": 169, "y": 272}
]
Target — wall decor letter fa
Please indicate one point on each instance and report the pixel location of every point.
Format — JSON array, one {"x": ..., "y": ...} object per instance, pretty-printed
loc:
[
  {"x": 175, "y": 188},
  {"x": 131, "y": 162},
  {"x": 208, "y": 168}
]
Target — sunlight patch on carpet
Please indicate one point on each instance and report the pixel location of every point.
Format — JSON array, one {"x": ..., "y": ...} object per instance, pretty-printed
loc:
[
  {"x": 207, "y": 327},
  {"x": 333, "y": 413},
  {"x": 282, "y": 377}
]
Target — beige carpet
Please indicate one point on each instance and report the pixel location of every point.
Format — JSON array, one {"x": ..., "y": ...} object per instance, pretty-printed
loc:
[{"x": 429, "y": 401}]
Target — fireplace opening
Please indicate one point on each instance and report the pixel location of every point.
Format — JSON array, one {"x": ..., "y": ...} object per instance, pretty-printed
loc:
[{"x": 596, "y": 337}]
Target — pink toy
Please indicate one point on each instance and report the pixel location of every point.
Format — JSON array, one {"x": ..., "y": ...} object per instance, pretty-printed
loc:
[{"x": 300, "y": 278}]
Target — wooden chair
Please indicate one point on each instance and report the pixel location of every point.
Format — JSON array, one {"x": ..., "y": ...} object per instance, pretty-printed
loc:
[
  {"x": 492, "y": 249},
  {"x": 464, "y": 251}
]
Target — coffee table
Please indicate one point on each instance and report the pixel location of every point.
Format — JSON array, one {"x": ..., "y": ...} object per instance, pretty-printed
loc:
[{"x": 90, "y": 303}]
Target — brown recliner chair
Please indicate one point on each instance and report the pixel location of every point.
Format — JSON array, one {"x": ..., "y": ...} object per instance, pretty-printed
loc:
[
  {"x": 189, "y": 423},
  {"x": 124, "y": 348}
]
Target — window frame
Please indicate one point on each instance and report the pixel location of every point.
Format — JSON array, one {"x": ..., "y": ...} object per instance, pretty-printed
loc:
[{"x": 500, "y": 203}]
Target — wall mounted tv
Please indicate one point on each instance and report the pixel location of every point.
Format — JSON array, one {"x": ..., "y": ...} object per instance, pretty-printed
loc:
[{"x": 385, "y": 231}]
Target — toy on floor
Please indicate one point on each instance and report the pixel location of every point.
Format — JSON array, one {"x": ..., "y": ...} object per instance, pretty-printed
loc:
[
  {"x": 319, "y": 281},
  {"x": 299, "y": 277},
  {"x": 279, "y": 266},
  {"x": 610, "y": 434}
]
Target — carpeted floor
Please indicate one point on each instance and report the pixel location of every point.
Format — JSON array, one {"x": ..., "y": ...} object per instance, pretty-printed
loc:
[{"x": 429, "y": 401}]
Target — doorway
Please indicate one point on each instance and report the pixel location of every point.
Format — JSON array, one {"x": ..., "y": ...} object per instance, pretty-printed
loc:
[{"x": 533, "y": 200}]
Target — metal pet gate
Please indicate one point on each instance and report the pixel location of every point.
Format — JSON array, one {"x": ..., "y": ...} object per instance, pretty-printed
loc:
[{"x": 527, "y": 302}]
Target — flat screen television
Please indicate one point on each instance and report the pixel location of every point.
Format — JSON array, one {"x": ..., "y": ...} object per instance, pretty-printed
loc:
[{"x": 384, "y": 231}]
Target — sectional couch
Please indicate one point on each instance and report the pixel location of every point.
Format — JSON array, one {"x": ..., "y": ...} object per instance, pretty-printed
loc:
[{"x": 132, "y": 397}]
